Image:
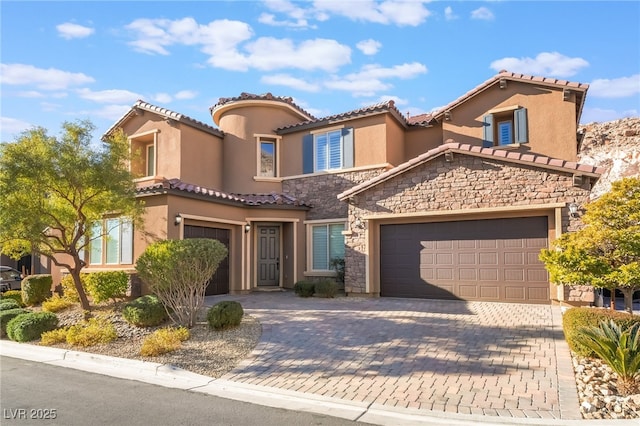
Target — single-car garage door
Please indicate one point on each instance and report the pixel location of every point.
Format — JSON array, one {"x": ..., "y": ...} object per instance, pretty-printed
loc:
[
  {"x": 219, "y": 283},
  {"x": 488, "y": 260}
]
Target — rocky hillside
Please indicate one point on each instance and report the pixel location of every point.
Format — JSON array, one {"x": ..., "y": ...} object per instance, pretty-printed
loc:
[{"x": 614, "y": 145}]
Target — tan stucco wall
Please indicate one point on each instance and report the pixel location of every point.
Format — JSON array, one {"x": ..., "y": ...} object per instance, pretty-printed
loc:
[
  {"x": 552, "y": 123},
  {"x": 418, "y": 141},
  {"x": 200, "y": 158}
]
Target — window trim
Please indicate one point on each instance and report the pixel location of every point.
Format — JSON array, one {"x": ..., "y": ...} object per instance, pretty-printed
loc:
[
  {"x": 147, "y": 164},
  {"x": 492, "y": 120},
  {"x": 328, "y": 159},
  {"x": 275, "y": 140},
  {"x": 310, "y": 242},
  {"x": 123, "y": 228}
]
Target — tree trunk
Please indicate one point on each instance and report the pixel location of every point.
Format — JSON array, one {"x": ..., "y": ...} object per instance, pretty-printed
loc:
[
  {"x": 84, "y": 301},
  {"x": 628, "y": 298},
  {"x": 613, "y": 299}
]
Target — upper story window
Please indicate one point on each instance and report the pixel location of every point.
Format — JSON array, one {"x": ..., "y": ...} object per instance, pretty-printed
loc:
[
  {"x": 144, "y": 150},
  {"x": 330, "y": 149},
  {"x": 268, "y": 156},
  {"x": 151, "y": 160},
  {"x": 111, "y": 242},
  {"x": 505, "y": 126}
]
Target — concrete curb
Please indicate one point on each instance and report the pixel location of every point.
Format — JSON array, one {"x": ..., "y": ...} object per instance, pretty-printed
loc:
[{"x": 172, "y": 377}]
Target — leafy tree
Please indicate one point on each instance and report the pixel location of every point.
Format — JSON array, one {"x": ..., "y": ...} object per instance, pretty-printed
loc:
[
  {"x": 605, "y": 253},
  {"x": 55, "y": 188},
  {"x": 178, "y": 271}
]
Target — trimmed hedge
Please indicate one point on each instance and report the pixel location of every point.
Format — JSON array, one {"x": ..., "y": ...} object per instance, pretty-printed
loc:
[
  {"x": 576, "y": 319},
  {"x": 326, "y": 288},
  {"x": 6, "y": 316},
  {"x": 107, "y": 285},
  {"x": 69, "y": 291},
  {"x": 225, "y": 314},
  {"x": 7, "y": 304},
  {"x": 304, "y": 288},
  {"x": 145, "y": 311},
  {"x": 12, "y": 295},
  {"x": 36, "y": 289},
  {"x": 30, "y": 326}
]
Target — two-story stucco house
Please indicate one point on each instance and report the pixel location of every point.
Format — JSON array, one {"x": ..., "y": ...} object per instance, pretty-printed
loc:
[{"x": 456, "y": 204}]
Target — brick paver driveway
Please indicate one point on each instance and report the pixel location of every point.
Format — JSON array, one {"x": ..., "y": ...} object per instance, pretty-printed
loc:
[{"x": 464, "y": 357}]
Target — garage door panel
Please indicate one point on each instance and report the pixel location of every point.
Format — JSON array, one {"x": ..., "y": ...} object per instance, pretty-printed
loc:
[
  {"x": 219, "y": 282},
  {"x": 492, "y": 260}
]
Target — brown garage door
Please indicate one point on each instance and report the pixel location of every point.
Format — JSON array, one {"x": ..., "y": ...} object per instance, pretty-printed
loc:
[
  {"x": 489, "y": 260},
  {"x": 219, "y": 283}
]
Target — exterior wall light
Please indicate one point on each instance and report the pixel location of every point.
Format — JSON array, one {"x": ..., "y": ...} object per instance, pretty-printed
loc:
[
  {"x": 573, "y": 210},
  {"x": 247, "y": 228},
  {"x": 178, "y": 220}
]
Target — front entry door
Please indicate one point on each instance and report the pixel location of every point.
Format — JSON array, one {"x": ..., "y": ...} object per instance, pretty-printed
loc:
[{"x": 268, "y": 255}]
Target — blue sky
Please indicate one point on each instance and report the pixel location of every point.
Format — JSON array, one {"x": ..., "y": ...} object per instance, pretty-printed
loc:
[{"x": 62, "y": 61}]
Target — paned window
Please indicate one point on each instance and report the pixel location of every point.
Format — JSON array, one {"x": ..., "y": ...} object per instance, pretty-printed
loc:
[
  {"x": 327, "y": 243},
  {"x": 111, "y": 242}
]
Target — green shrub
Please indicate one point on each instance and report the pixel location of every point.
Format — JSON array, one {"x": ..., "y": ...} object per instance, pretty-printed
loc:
[
  {"x": 69, "y": 291},
  {"x": 36, "y": 289},
  {"x": 304, "y": 288},
  {"x": 619, "y": 348},
  {"x": 145, "y": 311},
  {"x": 326, "y": 288},
  {"x": 56, "y": 303},
  {"x": 7, "y": 304},
  {"x": 576, "y": 319},
  {"x": 92, "y": 332},
  {"x": 6, "y": 316},
  {"x": 164, "y": 340},
  {"x": 103, "y": 286},
  {"x": 12, "y": 295},
  {"x": 178, "y": 272},
  {"x": 225, "y": 314},
  {"x": 30, "y": 326}
]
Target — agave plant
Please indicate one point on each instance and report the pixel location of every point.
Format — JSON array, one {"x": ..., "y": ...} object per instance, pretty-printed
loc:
[{"x": 619, "y": 349}]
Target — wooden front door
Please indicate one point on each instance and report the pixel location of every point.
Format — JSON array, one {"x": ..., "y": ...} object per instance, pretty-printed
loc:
[{"x": 268, "y": 255}]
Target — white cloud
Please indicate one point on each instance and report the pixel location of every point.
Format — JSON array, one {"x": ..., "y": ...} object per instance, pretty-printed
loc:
[
  {"x": 270, "y": 19},
  {"x": 589, "y": 115},
  {"x": 69, "y": 31},
  {"x": 369, "y": 80},
  {"x": 398, "y": 101},
  {"x": 13, "y": 125},
  {"x": 545, "y": 64},
  {"x": 615, "y": 88},
  {"x": 45, "y": 79},
  {"x": 109, "y": 96},
  {"x": 163, "y": 98},
  {"x": 108, "y": 112},
  {"x": 289, "y": 81},
  {"x": 448, "y": 14},
  {"x": 388, "y": 12},
  {"x": 483, "y": 14},
  {"x": 218, "y": 39},
  {"x": 186, "y": 94},
  {"x": 269, "y": 53},
  {"x": 369, "y": 47},
  {"x": 31, "y": 94}
]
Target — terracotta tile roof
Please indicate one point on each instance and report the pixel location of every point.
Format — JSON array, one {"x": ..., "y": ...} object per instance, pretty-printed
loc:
[
  {"x": 580, "y": 88},
  {"x": 141, "y": 105},
  {"x": 498, "y": 154},
  {"x": 264, "y": 97},
  {"x": 272, "y": 199},
  {"x": 382, "y": 107}
]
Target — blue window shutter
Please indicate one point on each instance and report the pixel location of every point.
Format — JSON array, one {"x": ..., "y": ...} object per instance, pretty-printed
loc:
[
  {"x": 520, "y": 119},
  {"x": 488, "y": 131},
  {"x": 307, "y": 154},
  {"x": 347, "y": 147}
]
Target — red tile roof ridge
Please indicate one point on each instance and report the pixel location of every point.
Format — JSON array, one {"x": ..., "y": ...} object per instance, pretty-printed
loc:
[
  {"x": 497, "y": 153},
  {"x": 266, "y": 97}
]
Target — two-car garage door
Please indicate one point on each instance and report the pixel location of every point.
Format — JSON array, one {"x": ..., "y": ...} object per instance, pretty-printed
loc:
[{"x": 488, "y": 260}]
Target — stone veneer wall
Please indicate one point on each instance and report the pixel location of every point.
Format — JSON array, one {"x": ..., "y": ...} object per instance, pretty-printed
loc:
[
  {"x": 321, "y": 190},
  {"x": 468, "y": 182}
]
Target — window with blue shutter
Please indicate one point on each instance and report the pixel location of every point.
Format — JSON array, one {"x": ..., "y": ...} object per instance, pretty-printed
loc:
[
  {"x": 504, "y": 133},
  {"x": 488, "y": 131},
  {"x": 327, "y": 151}
]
